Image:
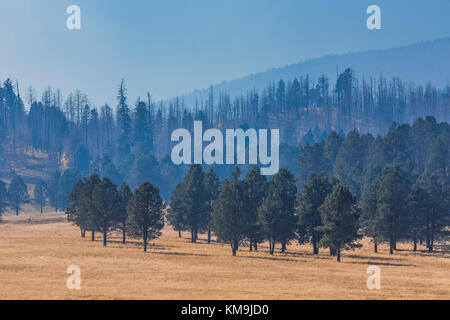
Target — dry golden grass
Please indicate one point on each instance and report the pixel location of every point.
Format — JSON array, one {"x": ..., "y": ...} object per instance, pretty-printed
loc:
[{"x": 35, "y": 253}]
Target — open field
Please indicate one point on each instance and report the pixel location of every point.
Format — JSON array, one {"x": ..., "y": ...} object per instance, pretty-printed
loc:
[{"x": 35, "y": 253}]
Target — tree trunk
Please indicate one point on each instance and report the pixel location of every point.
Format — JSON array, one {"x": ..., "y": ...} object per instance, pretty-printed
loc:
[
  {"x": 42, "y": 211},
  {"x": 209, "y": 236},
  {"x": 391, "y": 246},
  {"x": 314, "y": 243},
  {"x": 93, "y": 236},
  {"x": 104, "y": 238},
  {"x": 124, "y": 234},
  {"x": 82, "y": 233},
  {"x": 179, "y": 234},
  {"x": 17, "y": 210},
  {"x": 375, "y": 245},
  {"x": 145, "y": 240},
  {"x": 283, "y": 246},
  {"x": 255, "y": 246},
  {"x": 251, "y": 245},
  {"x": 234, "y": 247},
  {"x": 415, "y": 241},
  {"x": 338, "y": 251}
]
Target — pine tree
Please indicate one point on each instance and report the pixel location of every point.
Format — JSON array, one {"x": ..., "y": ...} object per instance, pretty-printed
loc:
[
  {"x": 231, "y": 221},
  {"x": 277, "y": 210},
  {"x": 369, "y": 206},
  {"x": 17, "y": 193},
  {"x": 312, "y": 196},
  {"x": 75, "y": 214},
  {"x": 145, "y": 213},
  {"x": 123, "y": 121},
  {"x": 106, "y": 213},
  {"x": 177, "y": 212},
  {"x": 125, "y": 195},
  {"x": 85, "y": 203},
  {"x": 256, "y": 189},
  {"x": 339, "y": 220},
  {"x": 212, "y": 189},
  {"x": 41, "y": 194},
  {"x": 392, "y": 204}
]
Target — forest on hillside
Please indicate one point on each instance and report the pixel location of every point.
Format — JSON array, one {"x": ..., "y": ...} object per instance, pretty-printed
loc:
[{"x": 66, "y": 137}]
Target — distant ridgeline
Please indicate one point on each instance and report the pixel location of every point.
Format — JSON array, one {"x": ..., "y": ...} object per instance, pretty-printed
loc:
[{"x": 132, "y": 142}]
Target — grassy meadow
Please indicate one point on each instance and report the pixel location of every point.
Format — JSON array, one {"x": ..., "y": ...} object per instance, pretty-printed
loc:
[{"x": 35, "y": 252}]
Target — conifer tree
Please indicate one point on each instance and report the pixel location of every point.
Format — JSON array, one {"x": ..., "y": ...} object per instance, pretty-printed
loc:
[
  {"x": 106, "y": 212},
  {"x": 125, "y": 195},
  {"x": 256, "y": 189},
  {"x": 145, "y": 213},
  {"x": 17, "y": 193},
  {"x": 340, "y": 217},
  {"x": 312, "y": 196},
  {"x": 231, "y": 221},
  {"x": 277, "y": 210}
]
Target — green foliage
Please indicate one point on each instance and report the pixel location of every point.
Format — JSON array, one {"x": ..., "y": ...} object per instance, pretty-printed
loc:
[
  {"x": 340, "y": 220},
  {"x": 190, "y": 203},
  {"x": 312, "y": 196},
  {"x": 231, "y": 219},
  {"x": 75, "y": 214},
  {"x": 17, "y": 193},
  {"x": 125, "y": 195},
  {"x": 256, "y": 189},
  {"x": 145, "y": 213},
  {"x": 392, "y": 205},
  {"x": 106, "y": 214},
  {"x": 277, "y": 210}
]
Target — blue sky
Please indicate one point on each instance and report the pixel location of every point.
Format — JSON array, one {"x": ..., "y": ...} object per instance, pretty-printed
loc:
[{"x": 173, "y": 47}]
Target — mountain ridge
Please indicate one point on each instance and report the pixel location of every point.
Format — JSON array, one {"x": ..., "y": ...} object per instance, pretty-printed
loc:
[{"x": 418, "y": 62}]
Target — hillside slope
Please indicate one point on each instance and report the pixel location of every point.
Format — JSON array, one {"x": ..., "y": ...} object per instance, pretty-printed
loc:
[{"x": 419, "y": 63}]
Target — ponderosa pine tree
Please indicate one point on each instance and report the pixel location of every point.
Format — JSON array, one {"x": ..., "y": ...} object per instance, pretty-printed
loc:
[
  {"x": 392, "y": 205},
  {"x": 433, "y": 200},
  {"x": 123, "y": 121},
  {"x": 85, "y": 202},
  {"x": 256, "y": 189},
  {"x": 277, "y": 210},
  {"x": 195, "y": 201},
  {"x": 106, "y": 212},
  {"x": 75, "y": 214},
  {"x": 125, "y": 195},
  {"x": 177, "y": 212},
  {"x": 17, "y": 193},
  {"x": 40, "y": 195},
  {"x": 231, "y": 220},
  {"x": 145, "y": 213},
  {"x": 340, "y": 223},
  {"x": 369, "y": 205},
  {"x": 312, "y": 196},
  {"x": 212, "y": 189}
]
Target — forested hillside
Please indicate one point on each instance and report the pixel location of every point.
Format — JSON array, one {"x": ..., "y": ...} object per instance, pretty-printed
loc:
[{"x": 49, "y": 136}]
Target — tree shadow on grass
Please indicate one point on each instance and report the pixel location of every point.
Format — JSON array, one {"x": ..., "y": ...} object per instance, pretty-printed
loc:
[
  {"x": 379, "y": 263},
  {"x": 178, "y": 253},
  {"x": 270, "y": 258}
]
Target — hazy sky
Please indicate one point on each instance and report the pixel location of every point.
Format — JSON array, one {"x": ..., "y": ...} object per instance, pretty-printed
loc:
[{"x": 171, "y": 47}]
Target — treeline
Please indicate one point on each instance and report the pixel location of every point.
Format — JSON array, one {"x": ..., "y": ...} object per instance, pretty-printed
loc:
[
  {"x": 130, "y": 139},
  {"x": 96, "y": 205},
  {"x": 401, "y": 180}
]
